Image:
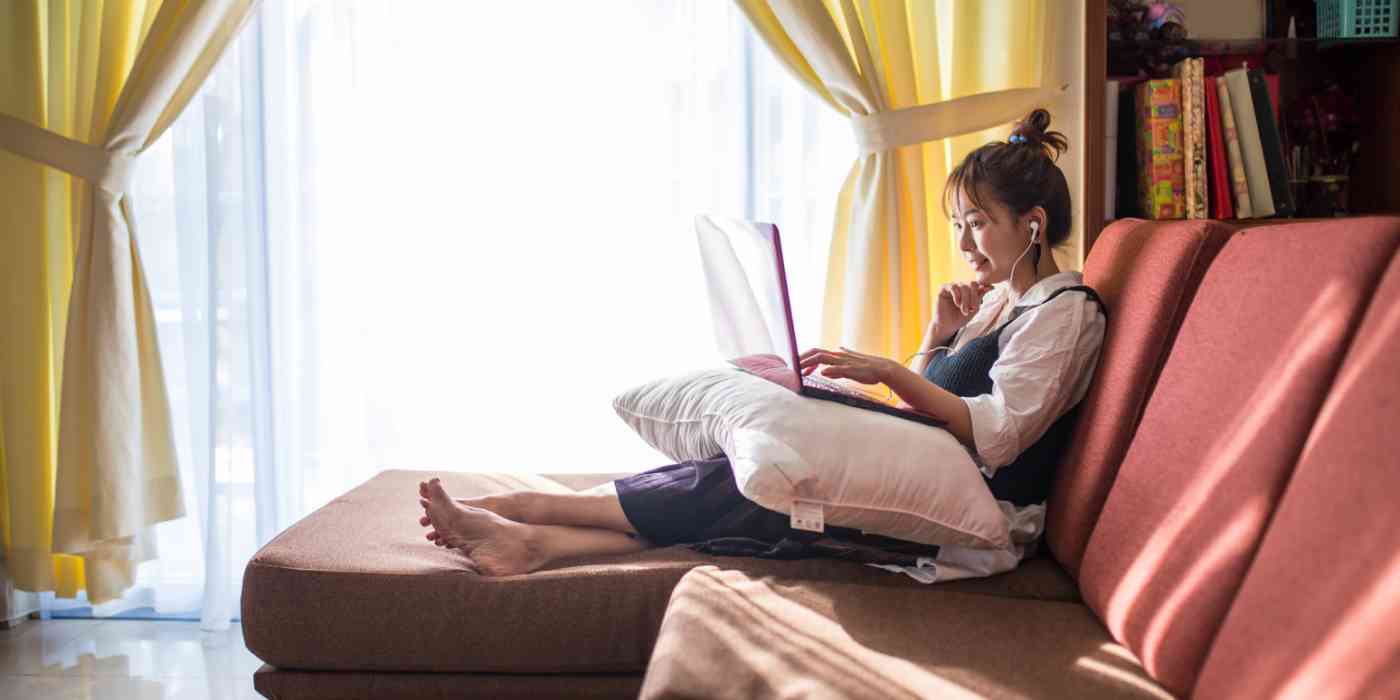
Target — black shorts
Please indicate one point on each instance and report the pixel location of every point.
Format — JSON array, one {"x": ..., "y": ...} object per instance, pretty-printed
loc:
[{"x": 698, "y": 504}]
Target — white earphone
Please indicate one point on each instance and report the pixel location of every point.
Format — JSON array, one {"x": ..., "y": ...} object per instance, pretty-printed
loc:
[{"x": 1035, "y": 238}]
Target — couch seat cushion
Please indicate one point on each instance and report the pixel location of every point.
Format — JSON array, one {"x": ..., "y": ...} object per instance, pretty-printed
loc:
[
  {"x": 354, "y": 586},
  {"x": 730, "y": 634}
]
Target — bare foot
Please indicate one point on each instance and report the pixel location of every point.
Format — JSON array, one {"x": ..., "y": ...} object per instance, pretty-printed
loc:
[
  {"x": 497, "y": 545},
  {"x": 502, "y": 504}
]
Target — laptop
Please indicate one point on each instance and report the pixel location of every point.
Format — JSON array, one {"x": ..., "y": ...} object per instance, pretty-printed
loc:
[{"x": 752, "y": 312}]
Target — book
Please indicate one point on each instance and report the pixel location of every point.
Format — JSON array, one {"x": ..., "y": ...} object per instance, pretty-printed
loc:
[
  {"x": 1272, "y": 144},
  {"x": 1239, "y": 184},
  {"x": 1110, "y": 151},
  {"x": 1126, "y": 170},
  {"x": 1160, "y": 162},
  {"x": 1256, "y": 173},
  {"x": 1272, "y": 80},
  {"x": 1217, "y": 166},
  {"x": 1191, "y": 73}
]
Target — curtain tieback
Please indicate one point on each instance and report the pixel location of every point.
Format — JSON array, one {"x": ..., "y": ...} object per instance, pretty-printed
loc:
[
  {"x": 110, "y": 170},
  {"x": 884, "y": 131}
]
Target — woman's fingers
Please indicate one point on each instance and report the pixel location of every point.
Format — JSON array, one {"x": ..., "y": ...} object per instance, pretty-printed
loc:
[
  {"x": 855, "y": 374},
  {"x": 845, "y": 364},
  {"x": 823, "y": 357},
  {"x": 968, "y": 297}
]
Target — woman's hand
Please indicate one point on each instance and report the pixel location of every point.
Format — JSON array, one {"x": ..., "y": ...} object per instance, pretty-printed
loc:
[
  {"x": 957, "y": 303},
  {"x": 847, "y": 363}
]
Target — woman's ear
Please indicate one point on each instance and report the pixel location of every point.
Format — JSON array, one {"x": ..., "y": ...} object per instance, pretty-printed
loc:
[{"x": 1037, "y": 214}]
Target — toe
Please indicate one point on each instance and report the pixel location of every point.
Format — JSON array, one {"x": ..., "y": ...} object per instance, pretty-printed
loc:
[
  {"x": 424, "y": 502},
  {"x": 425, "y": 521},
  {"x": 438, "y": 493}
]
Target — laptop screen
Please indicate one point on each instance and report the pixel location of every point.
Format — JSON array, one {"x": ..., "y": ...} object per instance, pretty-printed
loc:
[{"x": 749, "y": 301}]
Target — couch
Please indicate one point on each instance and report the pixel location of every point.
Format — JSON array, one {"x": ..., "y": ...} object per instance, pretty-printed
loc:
[{"x": 1225, "y": 524}]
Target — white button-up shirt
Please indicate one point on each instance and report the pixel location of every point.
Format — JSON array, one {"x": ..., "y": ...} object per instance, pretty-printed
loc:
[{"x": 1046, "y": 359}]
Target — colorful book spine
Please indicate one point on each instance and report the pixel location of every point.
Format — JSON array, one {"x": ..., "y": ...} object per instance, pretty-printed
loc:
[
  {"x": 1110, "y": 165},
  {"x": 1272, "y": 80},
  {"x": 1161, "y": 165},
  {"x": 1256, "y": 172},
  {"x": 1217, "y": 165},
  {"x": 1238, "y": 181},
  {"x": 1128, "y": 200},
  {"x": 1272, "y": 143},
  {"x": 1191, "y": 73}
]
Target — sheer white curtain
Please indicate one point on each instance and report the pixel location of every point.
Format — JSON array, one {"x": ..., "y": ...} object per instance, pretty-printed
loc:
[{"x": 443, "y": 235}]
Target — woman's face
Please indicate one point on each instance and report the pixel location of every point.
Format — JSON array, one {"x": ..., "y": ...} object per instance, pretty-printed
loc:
[{"x": 990, "y": 238}]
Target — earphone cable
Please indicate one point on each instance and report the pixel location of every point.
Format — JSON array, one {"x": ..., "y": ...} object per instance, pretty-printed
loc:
[
  {"x": 1034, "y": 234},
  {"x": 890, "y": 392}
]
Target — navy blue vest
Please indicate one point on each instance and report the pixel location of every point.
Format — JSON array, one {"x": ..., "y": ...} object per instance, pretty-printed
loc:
[{"x": 967, "y": 372}]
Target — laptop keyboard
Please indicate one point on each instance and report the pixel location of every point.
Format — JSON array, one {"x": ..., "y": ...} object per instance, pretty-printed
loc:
[{"x": 839, "y": 388}]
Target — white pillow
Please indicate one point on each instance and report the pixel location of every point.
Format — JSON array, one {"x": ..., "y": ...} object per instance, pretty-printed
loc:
[{"x": 871, "y": 471}]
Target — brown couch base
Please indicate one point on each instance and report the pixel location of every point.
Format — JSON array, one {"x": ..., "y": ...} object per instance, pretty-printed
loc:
[
  {"x": 355, "y": 587},
  {"x": 279, "y": 684}
]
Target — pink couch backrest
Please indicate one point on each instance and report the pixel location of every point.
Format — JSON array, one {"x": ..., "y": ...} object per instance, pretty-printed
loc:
[
  {"x": 1221, "y": 433},
  {"x": 1146, "y": 273},
  {"x": 1318, "y": 614}
]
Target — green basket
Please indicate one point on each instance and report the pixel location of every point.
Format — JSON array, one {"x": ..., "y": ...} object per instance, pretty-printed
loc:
[{"x": 1356, "y": 19}]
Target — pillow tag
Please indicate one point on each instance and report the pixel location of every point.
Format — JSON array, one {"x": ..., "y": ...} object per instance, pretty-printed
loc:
[{"x": 807, "y": 515}]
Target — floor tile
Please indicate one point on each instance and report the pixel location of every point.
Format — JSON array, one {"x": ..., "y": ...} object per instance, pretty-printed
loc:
[
  {"x": 125, "y": 659},
  {"x": 39, "y": 647},
  {"x": 160, "y": 649},
  {"x": 76, "y": 688}
]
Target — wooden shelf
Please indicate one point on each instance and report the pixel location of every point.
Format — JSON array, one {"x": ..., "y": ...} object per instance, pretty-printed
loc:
[
  {"x": 1236, "y": 47},
  {"x": 1264, "y": 221},
  {"x": 1368, "y": 69}
]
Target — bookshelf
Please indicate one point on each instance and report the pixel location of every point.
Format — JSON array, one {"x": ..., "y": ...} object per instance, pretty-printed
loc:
[{"x": 1368, "y": 69}]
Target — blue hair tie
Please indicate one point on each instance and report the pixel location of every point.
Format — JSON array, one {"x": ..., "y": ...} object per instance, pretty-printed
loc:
[{"x": 1016, "y": 138}]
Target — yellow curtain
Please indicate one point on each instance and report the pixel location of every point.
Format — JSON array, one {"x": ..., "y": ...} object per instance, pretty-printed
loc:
[
  {"x": 924, "y": 83},
  {"x": 85, "y": 87}
]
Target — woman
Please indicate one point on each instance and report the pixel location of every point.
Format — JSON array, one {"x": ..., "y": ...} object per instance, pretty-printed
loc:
[{"x": 1024, "y": 340}]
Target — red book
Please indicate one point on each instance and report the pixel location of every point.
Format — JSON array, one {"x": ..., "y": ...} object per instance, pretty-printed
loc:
[
  {"x": 1272, "y": 80},
  {"x": 1216, "y": 164}
]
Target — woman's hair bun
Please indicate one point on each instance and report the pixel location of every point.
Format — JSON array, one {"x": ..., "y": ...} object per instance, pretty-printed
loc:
[{"x": 1033, "y": 130}]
